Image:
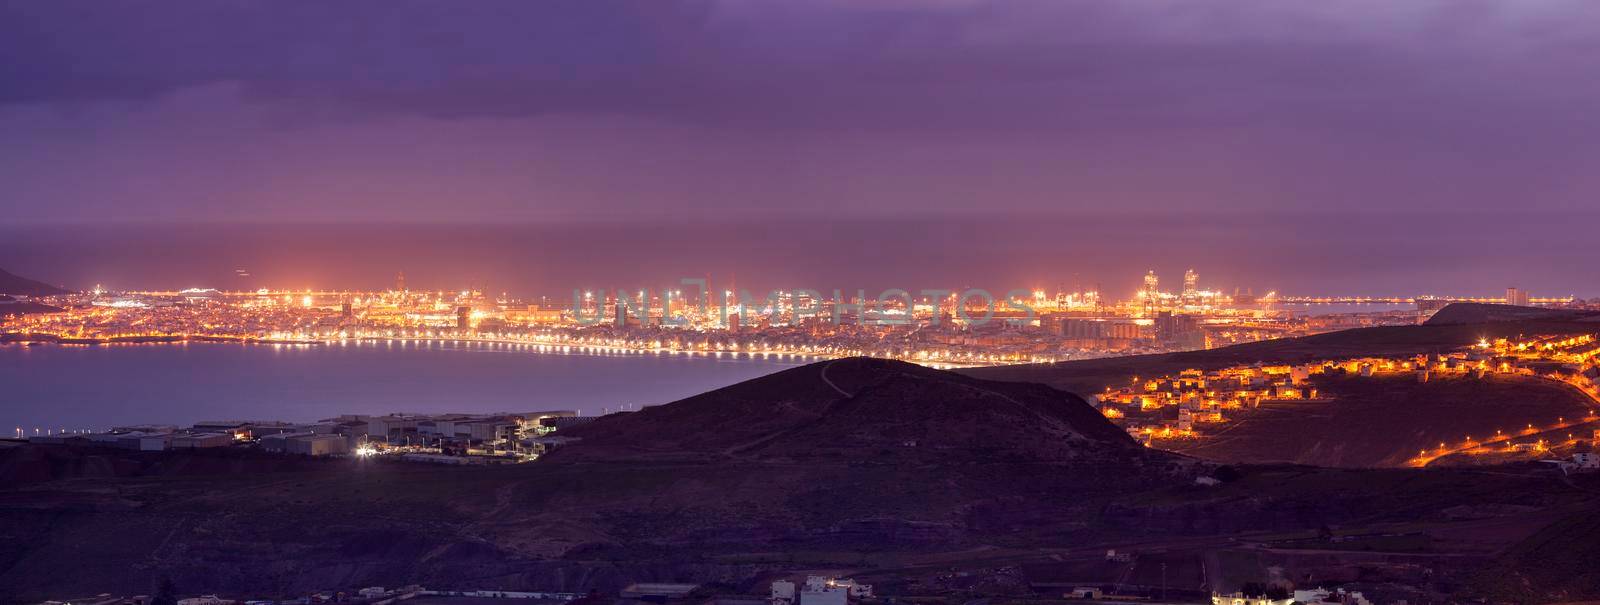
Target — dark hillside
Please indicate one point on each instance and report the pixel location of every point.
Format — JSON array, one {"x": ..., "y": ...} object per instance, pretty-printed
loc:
[
  {"x": 857, "y": 409},
  {"x": 16, "y": 284},
  {"x": 1480, "y": 313}
]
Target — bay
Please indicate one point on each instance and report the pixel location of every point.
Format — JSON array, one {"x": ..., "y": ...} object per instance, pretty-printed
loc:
[{"x": 75, "y": 387}]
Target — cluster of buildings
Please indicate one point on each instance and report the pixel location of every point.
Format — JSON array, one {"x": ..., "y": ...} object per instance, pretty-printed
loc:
[
  {"x": 1178, "y": 406},
  {"x": 1315, "y": 596},
  {"x": 1170, "y": 407},
  {"x": 819, "y": 590},
  {"x": 816, "y": 590},
  {"x": 370, "y": 595},
  {"x": 440, "y": 438},
  {"x": 153, "y": 437},
  {"x": 1018, "y": 327},
  {"x": 468, "y": 438}
]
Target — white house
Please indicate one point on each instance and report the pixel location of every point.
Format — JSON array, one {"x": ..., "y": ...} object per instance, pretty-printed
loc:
[
  {"x": 1586, "y": 460},
  {"x": 782, "y": 593},
  {"x": 1240, "y": 599},
  {"x": 1313, "y": 596},
  {"x": 823, "y": 591}
]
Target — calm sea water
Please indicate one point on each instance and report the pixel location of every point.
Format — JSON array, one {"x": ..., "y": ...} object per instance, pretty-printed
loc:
[
  {"x": 1343, "y": 308},
  {"x": 82, "y": 387}
]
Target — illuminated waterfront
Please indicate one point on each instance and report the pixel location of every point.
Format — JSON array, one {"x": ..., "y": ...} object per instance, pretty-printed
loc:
[
  {"x": 46, "y": 384},
  {"x": 1023, "y": 326}
]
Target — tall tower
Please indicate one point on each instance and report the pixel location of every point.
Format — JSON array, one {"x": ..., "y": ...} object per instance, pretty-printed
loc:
[
  {"x": 400, "y": 282},
  {"x": 1151, "y": 291},
  {"x": 1191, "y": 286}
]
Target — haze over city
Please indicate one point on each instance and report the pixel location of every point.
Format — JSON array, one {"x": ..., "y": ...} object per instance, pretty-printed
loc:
[
  {"x": 1371, "y": 255},
  {"x": 1436, "y": 146}
]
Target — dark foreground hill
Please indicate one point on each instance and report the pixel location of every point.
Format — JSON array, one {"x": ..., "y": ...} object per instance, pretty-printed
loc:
[
  {"x": 860, "y": 409},
  {"x": 16, "y": 284},
  {"x": 854, "y": 455},
  {"x": 247, "y": 525},
  {"x": 895, "y": 474}
]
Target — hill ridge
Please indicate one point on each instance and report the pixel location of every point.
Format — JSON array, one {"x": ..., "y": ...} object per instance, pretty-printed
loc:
[
  {"x": 11, "y": 283},
  {"x": 1477, "y": 313},
  {"x": 857, "y": 409}
]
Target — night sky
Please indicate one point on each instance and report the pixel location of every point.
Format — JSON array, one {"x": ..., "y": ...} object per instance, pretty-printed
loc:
[{"x": 1361, "y": 147}]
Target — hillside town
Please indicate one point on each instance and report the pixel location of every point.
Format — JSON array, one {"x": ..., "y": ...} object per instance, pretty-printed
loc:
[
  {"x": 1194, "y": 404},
  {"x": 468, "y": 439}
]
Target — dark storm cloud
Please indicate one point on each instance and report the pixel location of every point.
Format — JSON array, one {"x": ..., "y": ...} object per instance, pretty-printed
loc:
[
  {"x": 405, "y": 52},
  {"x": 407, "y": 110},
  {"x": 1427, "y": 67},
  {"x": 1241, "y": 128}
]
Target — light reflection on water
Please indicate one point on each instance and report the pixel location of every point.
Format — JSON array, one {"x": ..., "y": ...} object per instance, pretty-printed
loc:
[{"x": 95, "y": 387}]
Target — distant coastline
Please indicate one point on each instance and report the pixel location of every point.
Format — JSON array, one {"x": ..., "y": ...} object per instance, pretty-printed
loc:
[
  {"x": 30, "y": 339},
  {"x": 545, "y": 348}
]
